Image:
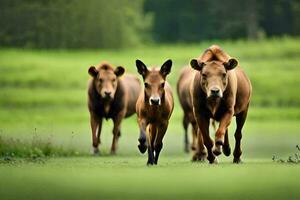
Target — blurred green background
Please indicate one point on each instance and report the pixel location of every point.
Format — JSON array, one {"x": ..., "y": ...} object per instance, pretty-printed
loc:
[{"x": 46, "y": 48}]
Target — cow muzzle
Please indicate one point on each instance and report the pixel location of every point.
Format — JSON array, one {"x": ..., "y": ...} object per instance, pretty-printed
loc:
[
  {"x": 154, "y": 101},
  {"x": 107, "y": 95},
  {"x": 215, "y": 92}
]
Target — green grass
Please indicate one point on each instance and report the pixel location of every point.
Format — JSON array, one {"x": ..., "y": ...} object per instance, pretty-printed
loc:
[
  {"x": 45, "y": 138},
  {"x": 272, "y": 66},
  {"x": 128, "y": 178}
]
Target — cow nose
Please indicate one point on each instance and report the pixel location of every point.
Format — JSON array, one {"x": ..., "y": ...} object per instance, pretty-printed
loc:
[
  {"x": 155, "y": 101},
  {"x": 215, "y": 91},
  {"x": 107, "y": 94}
]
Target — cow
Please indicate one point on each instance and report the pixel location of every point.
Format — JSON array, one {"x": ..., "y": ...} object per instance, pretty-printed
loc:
[
  {"x": 154, "y": 108},
  {"x": 220, "y": 90},
  {"x": 184, "y": 84},
  {"x": 110, "y": 96}
]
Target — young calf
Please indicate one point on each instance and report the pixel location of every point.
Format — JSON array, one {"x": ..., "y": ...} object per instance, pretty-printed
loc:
[
  {"x": 110, "y": 96},
  {"x": 154, "y": 108},
  {"x": 221, "y": 90},
  {"x": 185, "y": 98}
]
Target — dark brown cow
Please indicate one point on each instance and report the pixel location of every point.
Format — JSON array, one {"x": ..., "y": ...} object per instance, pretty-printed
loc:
[
  {"x": 221, "y": 90},
  {"x": 110, "y": 96},
  {"x": 184, "y": 84},
  {"x": 154, "y": 108}
]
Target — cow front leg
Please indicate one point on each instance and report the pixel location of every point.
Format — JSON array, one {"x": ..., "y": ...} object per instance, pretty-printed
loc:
[
  {"x": 116, "y": 131},
  {"x": 142, "y": 146},
  {"x": 226, "y": 146},
  {"x": 158, "y": 143},
  {"x": 200, "y": 153},
  {"x": 220, "y": 134},
  {"x": 96, "y": 125},
  {"x": 203, "y": 124},
  {"x": 151, "y": 132}
]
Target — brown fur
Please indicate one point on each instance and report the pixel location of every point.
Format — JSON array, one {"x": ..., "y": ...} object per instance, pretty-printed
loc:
[
  {"x": 184, "y": 86},
  {"x": 183, "y": 91},
  {"x": 154, "y": 108},
  {"x": 220, "y": 90},
  {"x": 110, "y": 96}
]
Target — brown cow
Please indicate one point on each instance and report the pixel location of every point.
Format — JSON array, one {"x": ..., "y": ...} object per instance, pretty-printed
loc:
[
  {"x": 221, "y": 90},
  {"x": 154, "y": 108},
  {"x": 110, "y": 96},
  {"x": 185, "y": 98}
]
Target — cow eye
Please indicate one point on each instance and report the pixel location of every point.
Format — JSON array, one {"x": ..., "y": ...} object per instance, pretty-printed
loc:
[
  {"x": 114, "y": 80},
  {"x": 224, "y": 75},
  {"x": 204, "y": 76},
  {"x": 146, "y": 85},
  {"x": 162, "y": 85},
  {"x": 101, "y": 80}
]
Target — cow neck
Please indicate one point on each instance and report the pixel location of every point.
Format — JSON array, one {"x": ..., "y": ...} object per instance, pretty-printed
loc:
[
  {"x": 213, "y": 105},
  {"x": 106, "y": 106}
]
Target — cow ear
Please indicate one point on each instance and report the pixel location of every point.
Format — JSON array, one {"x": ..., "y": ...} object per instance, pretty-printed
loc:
[
  {"x": 197, "y": 66},
  {"x": 231, "y": 64},
  {"x": 141, "y": 67},
  {"x": 166, "y": 68},
  {"x": 93, "y": 71},
  {"x": 119, "y": 71}
]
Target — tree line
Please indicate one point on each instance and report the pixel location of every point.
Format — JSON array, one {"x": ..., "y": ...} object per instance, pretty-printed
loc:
[{"x": 127, "y": 23}]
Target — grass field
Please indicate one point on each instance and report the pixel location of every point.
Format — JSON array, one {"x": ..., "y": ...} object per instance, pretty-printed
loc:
[{"x": 45, "y": 139}]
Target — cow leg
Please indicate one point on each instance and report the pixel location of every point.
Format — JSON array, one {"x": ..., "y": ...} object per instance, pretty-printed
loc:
[
  {"x": 240, "y": 121},
  {"x": 203, "y": 125},
  {"x": 99, "y": 132},
  {"x": 220, "y": 134},
  {"x": 194, "y": 135},
  {"x": 158, "y": 144},
  {"x": 226, "y": 146},
  {"x": 200, "y": 153},
  {"x": 142, "y": 138},
  {"x": 116, "y": 131},
  {"x": 185, "y": 123},
  {"x": 150, "y": 133},
  {"x": 95, "y": 124}
]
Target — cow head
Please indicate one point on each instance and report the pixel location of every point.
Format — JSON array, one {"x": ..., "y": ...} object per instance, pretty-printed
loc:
[
  {"x": 214, "y": 76},
  {"x": 154, "y": 81},
  {"x": 106, "y": 79}
]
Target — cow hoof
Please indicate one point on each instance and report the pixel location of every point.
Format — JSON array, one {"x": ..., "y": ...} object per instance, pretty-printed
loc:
[
  {"x": 96, "y": 152},
  {"x": 199, "y": 157},
  {"x": 142, "y": 140},
  {"x": 216, "y": 151},
  {"x": 215, "y": 161},
  {"x": 142, "y": 148},
  {"x": 150, "y": 163},
  {"x": 113, "y": 153},
  {"x": 219, "y": 141},
  {"x": 226, "y": 150},
  {"x": 237, "y": 161},
  {"x": 194, "y": 158}
]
